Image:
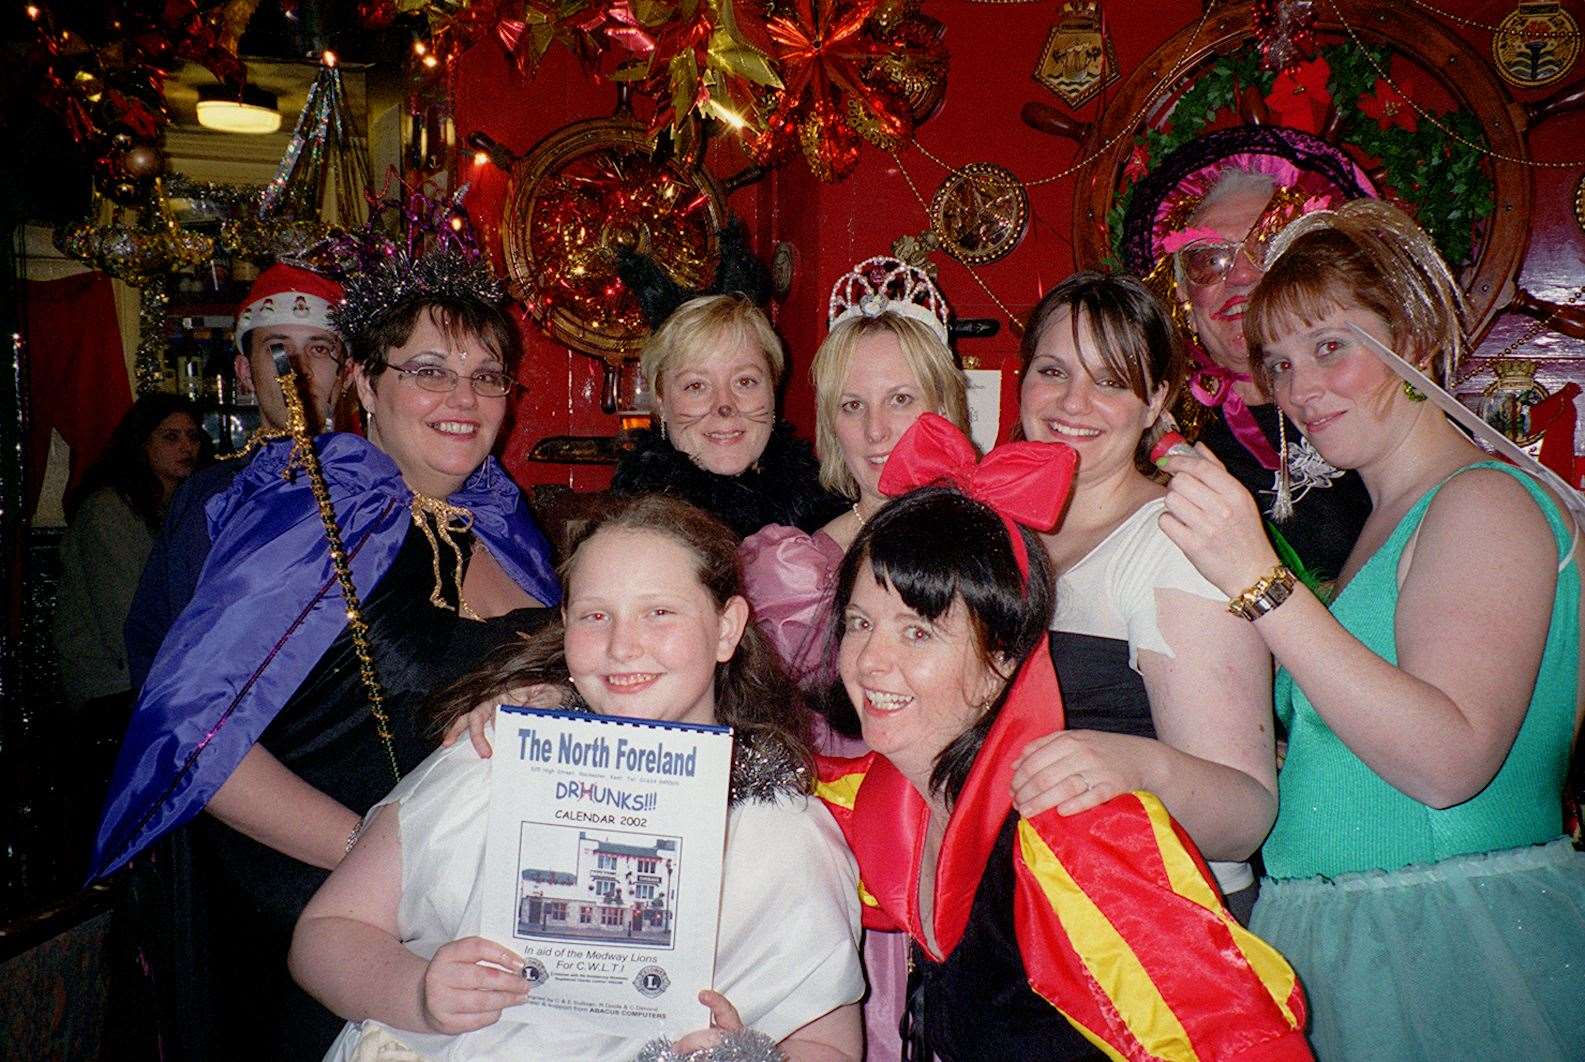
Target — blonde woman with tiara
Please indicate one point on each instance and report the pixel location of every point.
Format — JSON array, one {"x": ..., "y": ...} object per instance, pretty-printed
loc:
[
  {"x": 1418, "y": 879},
  {"x": 883, "y": 363}
]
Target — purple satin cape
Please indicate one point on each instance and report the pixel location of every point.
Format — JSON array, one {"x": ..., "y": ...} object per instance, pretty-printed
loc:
[{"x": 266, "y": 608}]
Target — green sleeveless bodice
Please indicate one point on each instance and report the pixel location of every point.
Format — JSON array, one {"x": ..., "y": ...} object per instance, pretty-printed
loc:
[{"x": 1336, "y": 815}]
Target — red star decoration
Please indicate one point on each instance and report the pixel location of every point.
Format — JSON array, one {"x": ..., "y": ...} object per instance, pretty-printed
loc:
[{"x": 821, "y": 49}]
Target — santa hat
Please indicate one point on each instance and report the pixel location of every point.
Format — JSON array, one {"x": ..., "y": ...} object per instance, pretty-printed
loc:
[{"x": 287, "y": 295}]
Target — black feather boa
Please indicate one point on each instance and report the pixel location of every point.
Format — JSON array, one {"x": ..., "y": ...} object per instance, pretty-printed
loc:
[{"x": 782, "y": 487}]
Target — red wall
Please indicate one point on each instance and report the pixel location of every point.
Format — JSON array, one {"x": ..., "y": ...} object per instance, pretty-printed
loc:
[{"x": 994, "y": 48}]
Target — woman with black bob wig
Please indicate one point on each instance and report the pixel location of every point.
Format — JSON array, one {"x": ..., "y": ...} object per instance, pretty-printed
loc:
[{"x": 1057, "y": 925}]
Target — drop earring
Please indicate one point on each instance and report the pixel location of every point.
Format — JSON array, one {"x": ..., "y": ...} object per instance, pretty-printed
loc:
[
  {"x": 1282, "y": 508},
  {"x": 1412, "y": 393}
]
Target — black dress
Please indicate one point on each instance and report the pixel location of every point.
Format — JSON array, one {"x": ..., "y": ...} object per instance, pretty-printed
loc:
[
  {"x": 977, "y": 1005},
  {"x": 782, "y": 487},
  {"x": 1329, "y": 508},
  {"x": 233, "y": 994},
  {"x": 1100, "y": 691}
]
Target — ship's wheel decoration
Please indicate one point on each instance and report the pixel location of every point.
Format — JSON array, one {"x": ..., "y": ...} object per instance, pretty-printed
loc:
[
  {"x": 1401, "y": 64},
  {"x": 1427, "y": 50},
  {"x": 586, "y": 193},
  {"x": 979, "y": 213}
]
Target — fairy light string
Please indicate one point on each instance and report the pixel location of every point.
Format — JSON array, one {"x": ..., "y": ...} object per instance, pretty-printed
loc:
[
  {"x": 1560, "y": 35},
  {"x": 1150, "y": 100},
  {"x": 1438, "y": 123}
]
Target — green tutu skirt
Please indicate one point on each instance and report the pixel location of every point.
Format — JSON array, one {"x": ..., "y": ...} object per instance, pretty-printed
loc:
[{"x": 1477, "y": 957}]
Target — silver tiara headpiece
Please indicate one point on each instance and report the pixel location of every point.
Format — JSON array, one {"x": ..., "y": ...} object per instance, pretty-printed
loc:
[
  {"x": 398, "y": 279},
  {"x": 884, "y": 284}
]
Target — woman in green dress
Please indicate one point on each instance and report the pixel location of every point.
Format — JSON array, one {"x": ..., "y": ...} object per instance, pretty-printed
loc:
[{"x": 1418, "y": 879}]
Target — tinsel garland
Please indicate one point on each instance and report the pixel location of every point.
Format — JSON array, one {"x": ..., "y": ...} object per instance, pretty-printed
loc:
[
  {"x": 148, "y": 363},
  {"x": 743, "y": 1045},
  {"x": 134, "y": 249},
  {"x": 242, "y": 231},
  {"x": 324, "y": 151},
  {"x": 1285, "y": 30},
  {"x": 305, "y": 457},
  {"x": 763, "y": 770}
]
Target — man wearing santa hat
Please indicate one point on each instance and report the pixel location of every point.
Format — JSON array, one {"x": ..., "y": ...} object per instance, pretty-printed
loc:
[{"x": 287, "y": 307}]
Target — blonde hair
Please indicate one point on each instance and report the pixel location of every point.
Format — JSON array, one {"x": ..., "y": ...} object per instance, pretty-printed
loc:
[
  {"x": 695, "y": 331},
  {"x": 1368, "y": 253},
  {"x": 944, "y": 387}
]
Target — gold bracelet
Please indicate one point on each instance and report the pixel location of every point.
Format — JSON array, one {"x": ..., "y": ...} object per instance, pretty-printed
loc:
[{"x": 1268, "y": 592}]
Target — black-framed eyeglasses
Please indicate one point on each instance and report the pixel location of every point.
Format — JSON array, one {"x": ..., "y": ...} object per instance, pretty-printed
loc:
[{"x": 441, "y": 380}]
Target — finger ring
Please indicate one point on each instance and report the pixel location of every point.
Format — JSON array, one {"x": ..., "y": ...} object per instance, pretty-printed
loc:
[{"x": 1084, "y": 781}]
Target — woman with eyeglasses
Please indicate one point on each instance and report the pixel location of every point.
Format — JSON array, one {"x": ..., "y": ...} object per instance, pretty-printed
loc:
[
  {"x": 1196, "y": 229},
  {"x": 271, "y": 710},
  {"x": 1420, "y": 876}
]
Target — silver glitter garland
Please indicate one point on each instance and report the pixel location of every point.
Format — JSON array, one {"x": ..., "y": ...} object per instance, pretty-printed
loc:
[
  {"x": 744, "y": 1045},
  {"x": 323, "y": 151},
  {"x": 400, "y": 280},
  {"x": 764, "y": 769}
]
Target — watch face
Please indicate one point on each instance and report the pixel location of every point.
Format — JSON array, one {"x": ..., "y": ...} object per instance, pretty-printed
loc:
[{"x": 783, "y": 263}]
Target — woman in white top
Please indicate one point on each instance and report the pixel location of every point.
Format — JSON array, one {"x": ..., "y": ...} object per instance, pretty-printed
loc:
[
  {"x": 654, "y": 626},
  {"x": 1164, "y": 690}
]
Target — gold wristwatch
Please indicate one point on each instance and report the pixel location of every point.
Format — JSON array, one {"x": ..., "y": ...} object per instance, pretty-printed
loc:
[{"x": 1268, "y": 592}]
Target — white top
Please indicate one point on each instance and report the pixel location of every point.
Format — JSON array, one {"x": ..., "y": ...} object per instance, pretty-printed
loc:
[
  {"x": 1111, "y": 593},
  {"x": 786, "y": 953}
]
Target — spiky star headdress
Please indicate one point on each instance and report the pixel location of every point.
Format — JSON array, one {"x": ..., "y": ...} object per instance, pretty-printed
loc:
[{"x": 400, "y": 280}]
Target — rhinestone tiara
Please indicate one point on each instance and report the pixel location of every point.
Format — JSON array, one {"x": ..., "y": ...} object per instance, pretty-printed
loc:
[{"x": 884, "y": 284}]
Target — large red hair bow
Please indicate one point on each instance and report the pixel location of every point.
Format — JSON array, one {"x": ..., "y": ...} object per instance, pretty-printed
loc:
[{"x": 1026, "y": 483}]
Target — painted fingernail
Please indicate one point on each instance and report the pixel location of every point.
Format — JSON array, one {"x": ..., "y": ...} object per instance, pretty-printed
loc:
[{"x": 1169, "y": 445}]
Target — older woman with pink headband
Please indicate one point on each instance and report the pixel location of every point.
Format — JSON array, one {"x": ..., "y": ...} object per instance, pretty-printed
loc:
[{"x": 1197, "y": 228}]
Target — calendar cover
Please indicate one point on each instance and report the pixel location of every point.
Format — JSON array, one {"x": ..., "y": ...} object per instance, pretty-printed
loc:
[{"x": 603, "y": 864}]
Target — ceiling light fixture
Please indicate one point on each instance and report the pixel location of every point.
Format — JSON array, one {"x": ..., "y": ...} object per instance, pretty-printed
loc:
[{"x": 220, "y": 109}]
